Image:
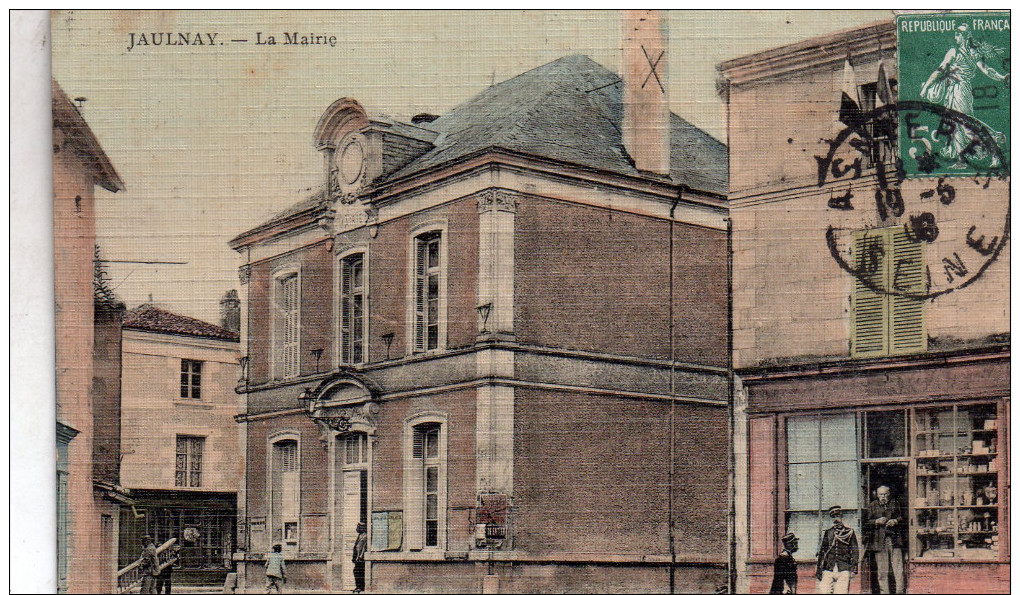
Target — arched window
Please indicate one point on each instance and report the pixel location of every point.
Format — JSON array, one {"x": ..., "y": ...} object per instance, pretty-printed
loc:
[
  {"x": 353, "y": 312},
  {"x": 286, "y": 324},
  {"x": 285, "y": 487},
  {"x": 425, "y": 482}
]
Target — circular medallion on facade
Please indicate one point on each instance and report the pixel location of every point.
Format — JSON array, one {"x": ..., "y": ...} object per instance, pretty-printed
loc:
[{"x": 347, "y": 168}]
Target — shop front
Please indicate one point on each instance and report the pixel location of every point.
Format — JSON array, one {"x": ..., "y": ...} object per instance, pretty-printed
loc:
[
  {"x": 203, "y": 524},
  {"x": 934, "y": 433}
]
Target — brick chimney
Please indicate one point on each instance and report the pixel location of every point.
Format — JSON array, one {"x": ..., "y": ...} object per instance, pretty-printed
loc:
[
  {"x": 230, "y": 311},
  {"x": 645, "y": 96}
]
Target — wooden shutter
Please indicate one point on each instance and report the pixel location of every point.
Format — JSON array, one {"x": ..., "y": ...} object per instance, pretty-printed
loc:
[
  {"x": 290, "y": 325},
  {"x": 868, "y": 307},
  {"x": 906, "y": 315},
  {"x": 413, "y": 494},
  {"x": 345, "y": 311},
  {"x": 420, "y": 298}
]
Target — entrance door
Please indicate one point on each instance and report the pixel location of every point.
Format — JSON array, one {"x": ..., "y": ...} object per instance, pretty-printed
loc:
[
  {"x": 353, "y": 496},
  {"x": 353, "y": 505},
  {"x": 893, "y": 475}
]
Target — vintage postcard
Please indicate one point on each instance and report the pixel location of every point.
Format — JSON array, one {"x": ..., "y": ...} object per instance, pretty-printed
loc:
[{"x": 532, "y": 301}]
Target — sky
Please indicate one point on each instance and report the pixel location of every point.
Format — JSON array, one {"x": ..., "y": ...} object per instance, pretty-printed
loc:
[{"x": 211, "y": 140}]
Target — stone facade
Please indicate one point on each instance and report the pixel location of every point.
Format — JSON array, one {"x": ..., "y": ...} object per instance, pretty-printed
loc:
[{"x": 794, "y": 328}]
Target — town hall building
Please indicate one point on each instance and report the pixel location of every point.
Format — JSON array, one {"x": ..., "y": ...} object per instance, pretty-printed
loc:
[{"x": 498, "y": 339}]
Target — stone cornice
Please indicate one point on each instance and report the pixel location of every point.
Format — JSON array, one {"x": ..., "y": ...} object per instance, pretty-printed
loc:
[{"x": 862, "y": 44}]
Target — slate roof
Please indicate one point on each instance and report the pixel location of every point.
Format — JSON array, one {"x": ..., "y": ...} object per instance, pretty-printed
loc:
[
  {"x": 151, "y": 318},
  {"x": 569, "y": 110}
]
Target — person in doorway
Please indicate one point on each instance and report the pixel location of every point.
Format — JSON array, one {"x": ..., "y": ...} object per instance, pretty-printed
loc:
[
  {"x": 838, "y": 555},
  {"x": 784, "y": 575},
  {"x": 276, "y": 570},
  {"x": 164, "y": 580},
  {"x": 883, "y": 524},
  {"x": 149, "y": 566},
  {"x": 358, "y": 557}
]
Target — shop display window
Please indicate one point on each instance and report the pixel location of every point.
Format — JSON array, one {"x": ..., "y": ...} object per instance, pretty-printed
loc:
[
  {"x": 942, "y": 463},
  {"x": 956, "y": 494},
  {"x": 822, "y": 471}
]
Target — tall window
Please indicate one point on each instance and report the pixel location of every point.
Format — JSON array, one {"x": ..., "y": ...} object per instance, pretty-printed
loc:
[
  {"x": 427, "y": 279},
  {"x": 286, "y": 496},
  {"x": 287, "y": 326},
  {"x": 424, "y": 491},
  {"x": 188, "y": 469},
  {"x": 886, "y": 322},
  {"x": 822, "y": 472},
  {"x": 352, "y": 309},
  {"x": 426, "y": 449},
  {"x": 191, "y": 379}
]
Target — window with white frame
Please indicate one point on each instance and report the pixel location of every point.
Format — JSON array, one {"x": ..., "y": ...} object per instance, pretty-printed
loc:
[
  {"x": 352, "y": 309},
  {"x": 188, "y": 466},
  {"x": 427, "y": 281},
  {"x": 424, "y": 487},
  {"x": 286, "y": 492},
  {"x": 287, "y": 326},
  {"x": 191, "y": 379},
  {"x": 822, "y": 471},
  {"x": 426, "y": 448}
]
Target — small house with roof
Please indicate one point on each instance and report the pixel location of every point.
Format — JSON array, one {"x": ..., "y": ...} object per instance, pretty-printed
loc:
[
  {"x": 498, "y": 339},
  {"x": 179, "y": 447}
]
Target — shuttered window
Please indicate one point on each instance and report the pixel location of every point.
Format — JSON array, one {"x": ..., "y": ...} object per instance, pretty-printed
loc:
[
  {"x": 352, "y": 309},
  {"x": 885, "y": 322},
  {"x": 287, "y": 327},
  {"x": 286, "y": 493},
  {"x": 423, "y": 488},
  {"x": 426, "y": 291}
]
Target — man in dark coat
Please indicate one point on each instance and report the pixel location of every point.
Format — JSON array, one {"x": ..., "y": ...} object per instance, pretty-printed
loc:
[
  {"x": 784, "y": 574},
  {"x": 837, "y": 556},
  {"x": 883, "y": 527},
  {"x": 149, "y": 566},
  {"x": 358, "y": 557}
]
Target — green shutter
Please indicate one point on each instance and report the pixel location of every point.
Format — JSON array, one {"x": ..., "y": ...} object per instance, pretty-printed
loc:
[
  {"x": 868, "y": 307},
  {"x": 906, "y": 318}
]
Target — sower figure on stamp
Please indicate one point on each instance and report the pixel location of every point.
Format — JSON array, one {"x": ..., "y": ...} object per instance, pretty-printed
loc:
[
  {"x": 784, "y": 573},
  {"x": 149, "y": 565},
  {"x": 358, "y": 557},
  {"x": 883, "y": 526},
  {"x": 951, "y": 85},
  {"x": 838, "y": 555},
  {"x": 276, "y": 570}
]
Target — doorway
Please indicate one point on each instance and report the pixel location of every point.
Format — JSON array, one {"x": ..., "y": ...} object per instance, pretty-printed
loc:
[
  {"x": 894, "y": 475},
  {"x": 352, "y": 505}
]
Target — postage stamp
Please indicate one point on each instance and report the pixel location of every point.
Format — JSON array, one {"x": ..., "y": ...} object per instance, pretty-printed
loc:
[{"x": 959, "y": 65}]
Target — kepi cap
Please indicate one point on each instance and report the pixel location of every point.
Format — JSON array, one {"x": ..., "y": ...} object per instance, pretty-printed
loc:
[
  {"x": 789, "y": 537},
  {"x": 835, "y": 511}
]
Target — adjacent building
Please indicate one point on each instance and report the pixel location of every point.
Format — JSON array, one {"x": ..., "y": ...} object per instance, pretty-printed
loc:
[
  {"x": 861, "y": 359},
  {"x": 497, "y": 338},
  {"x": 179, "y": 443},
  {"x": 87, "y": 380}
]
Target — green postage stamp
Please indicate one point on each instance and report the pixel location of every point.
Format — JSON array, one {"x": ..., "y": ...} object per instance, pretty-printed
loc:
[{"x": 954, "y": 76}]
